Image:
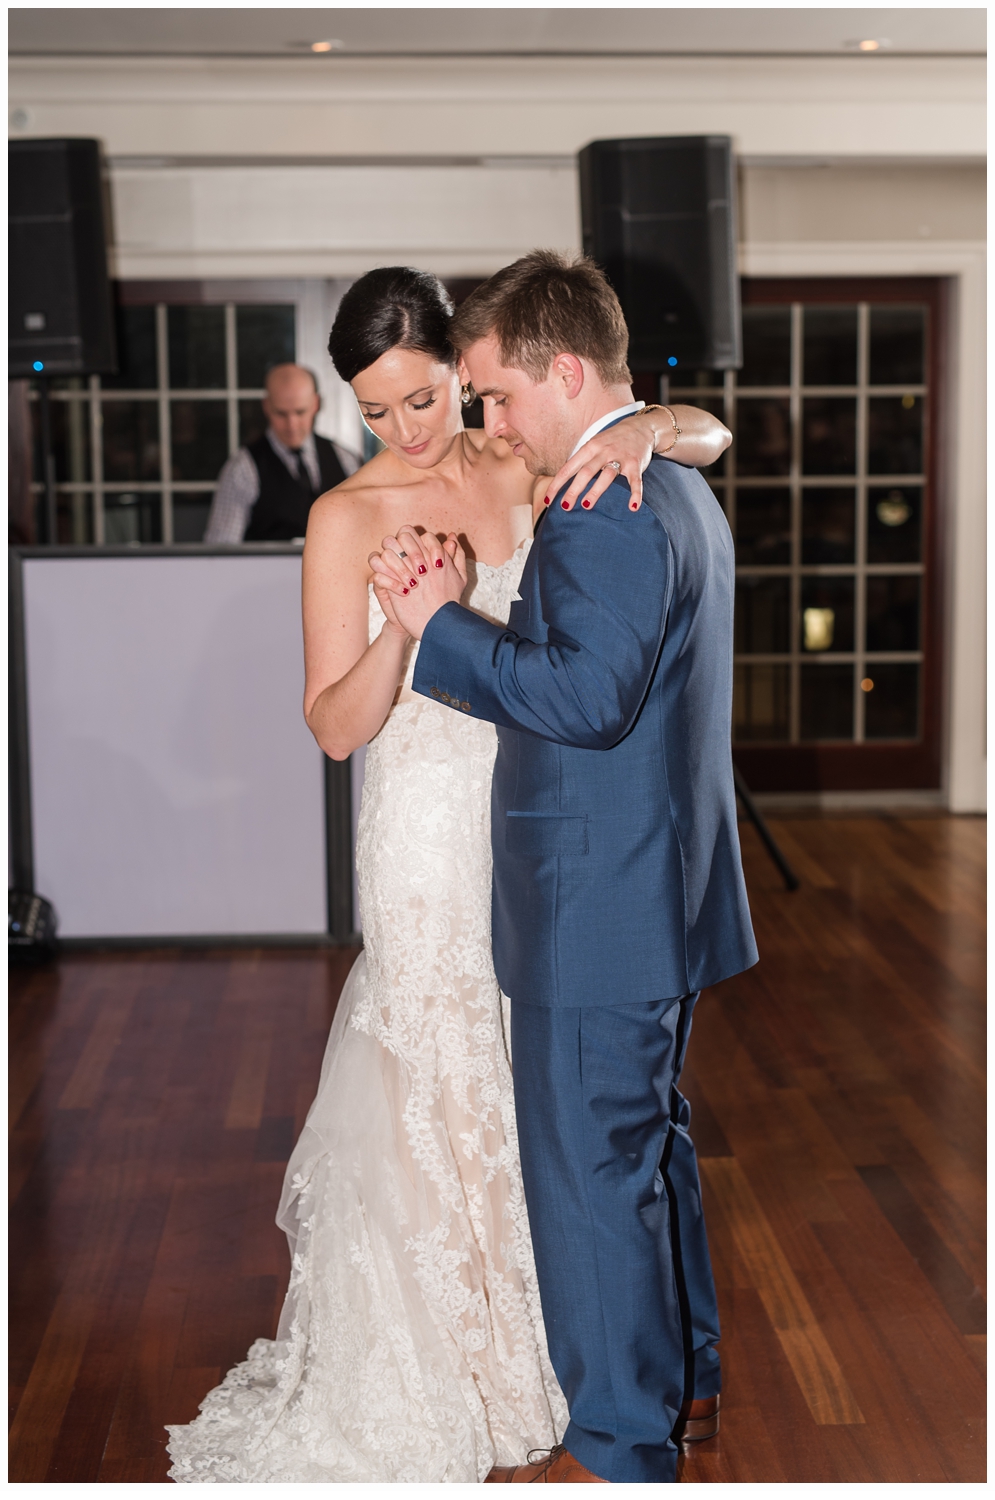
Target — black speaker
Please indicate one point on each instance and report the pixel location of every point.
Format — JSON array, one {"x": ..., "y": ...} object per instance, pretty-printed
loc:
[
  {"x": 659, "y": 215},
  {"x": 60, "y": 313},
  {"x": 31, "y": 928}
]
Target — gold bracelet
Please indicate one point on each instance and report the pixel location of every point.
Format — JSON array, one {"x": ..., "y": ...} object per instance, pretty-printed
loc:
[{"x": 673, "y": 419}]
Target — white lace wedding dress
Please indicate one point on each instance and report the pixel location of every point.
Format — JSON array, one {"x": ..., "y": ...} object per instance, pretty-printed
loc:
[{"x": 411, "y": 1346}]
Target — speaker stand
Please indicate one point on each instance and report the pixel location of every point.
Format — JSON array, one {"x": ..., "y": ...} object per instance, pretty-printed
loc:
[
  {"x": 664, "y": 397},
  {"x": 756, "y": 817},
  {"x": 48, "y": 512}
]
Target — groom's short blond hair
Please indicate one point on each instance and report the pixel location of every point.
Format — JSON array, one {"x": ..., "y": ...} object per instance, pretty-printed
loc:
[{"x": 543, "y": 305}]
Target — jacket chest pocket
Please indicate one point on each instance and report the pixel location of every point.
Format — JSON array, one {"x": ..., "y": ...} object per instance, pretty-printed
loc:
[{"x": 544, "y": 835}]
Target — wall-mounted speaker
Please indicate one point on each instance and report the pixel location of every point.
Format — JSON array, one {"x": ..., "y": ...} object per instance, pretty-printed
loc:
[
  {"x": 60, "y": 312},
  {"x": 659, "y": 215}
]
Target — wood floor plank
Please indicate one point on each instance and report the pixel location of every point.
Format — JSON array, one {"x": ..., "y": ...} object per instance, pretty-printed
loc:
[
  {"x": 805, "y": 864},
  {"x": 84, "y": 1086},
  {"x": 819, "y": 1376},
  {"x": 756, "y": 1372},
  {"x": 135, "y": 1439},
  {"x": 977, "y": 1344},
  {"x": 962, "y": 1299},
  {"x": 931, "y": 1382},
  {"x": 38, "y": 1419},
  {"x": 245, "y": 1103},
  {"x": 830, "y": 1399}
]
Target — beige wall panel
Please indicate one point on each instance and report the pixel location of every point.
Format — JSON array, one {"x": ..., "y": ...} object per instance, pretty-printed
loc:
[
  {"x": 866, "y": 202},
  {"x": 894, "y": 106},
  {"x": 337, "y": 221}
]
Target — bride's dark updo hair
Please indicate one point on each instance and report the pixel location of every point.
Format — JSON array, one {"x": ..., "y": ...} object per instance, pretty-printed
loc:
[{"x": 393, "y": 307}]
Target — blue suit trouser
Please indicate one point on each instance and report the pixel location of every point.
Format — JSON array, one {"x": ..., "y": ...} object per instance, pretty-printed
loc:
[{"x": 614, "y": 1200}]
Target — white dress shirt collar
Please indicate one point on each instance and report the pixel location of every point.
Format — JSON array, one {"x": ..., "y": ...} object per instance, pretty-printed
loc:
[{"x": 606, "y": 421}]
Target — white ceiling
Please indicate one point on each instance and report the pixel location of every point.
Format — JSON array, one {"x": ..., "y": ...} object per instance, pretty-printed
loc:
[{"x": 412, "y": 32}]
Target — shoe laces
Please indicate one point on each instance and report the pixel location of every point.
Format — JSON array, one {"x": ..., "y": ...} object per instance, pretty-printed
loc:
[{"x": 544, "y": 1456}]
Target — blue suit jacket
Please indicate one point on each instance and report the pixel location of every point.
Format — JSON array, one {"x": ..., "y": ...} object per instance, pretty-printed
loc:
[{"x": 617, "y": 873}]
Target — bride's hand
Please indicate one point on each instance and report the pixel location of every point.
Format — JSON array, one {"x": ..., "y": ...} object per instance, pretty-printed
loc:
[
  {"x": 391, "y": 577},
  {"x": 384, "y": 598},
  {"x": 408, "y": 554},
  {"x": 619, "y": 452},
  {"x": 627, "y": 448}
]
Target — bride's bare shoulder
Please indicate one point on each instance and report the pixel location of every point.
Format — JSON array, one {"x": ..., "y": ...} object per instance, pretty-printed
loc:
[
  {"x": 344, "y": 519},
  {"x": 383, "y": 471}
]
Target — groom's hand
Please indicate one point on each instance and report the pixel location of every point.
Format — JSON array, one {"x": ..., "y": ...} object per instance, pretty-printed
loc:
[{"x": 421, "y": 575}]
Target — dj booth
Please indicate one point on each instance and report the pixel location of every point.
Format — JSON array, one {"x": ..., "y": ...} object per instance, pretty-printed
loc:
[{"x": 164, "y": 784}]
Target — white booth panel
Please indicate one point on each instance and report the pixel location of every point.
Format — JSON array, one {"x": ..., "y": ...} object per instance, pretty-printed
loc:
[{"x": 175, "y": 787}]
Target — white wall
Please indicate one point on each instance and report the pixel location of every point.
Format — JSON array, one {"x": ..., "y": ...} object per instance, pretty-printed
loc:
[
  {"x": 330, "y": 220},
  {"x": 175, "y": 787},
  {"x": 339, "y": 418}
]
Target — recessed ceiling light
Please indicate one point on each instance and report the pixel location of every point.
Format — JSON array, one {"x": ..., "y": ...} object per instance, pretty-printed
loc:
[
  {"x": 331, "y": 46},
  {"x": 867, "y": 44}
]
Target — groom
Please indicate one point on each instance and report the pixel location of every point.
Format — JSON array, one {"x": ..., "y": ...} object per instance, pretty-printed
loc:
[{"x": 618, "y": 888}]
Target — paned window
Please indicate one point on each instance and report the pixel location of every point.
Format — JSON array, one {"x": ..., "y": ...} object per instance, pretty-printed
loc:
[
  {"x": 829, "y": 492},
  {"x": 137, "y": 454}
]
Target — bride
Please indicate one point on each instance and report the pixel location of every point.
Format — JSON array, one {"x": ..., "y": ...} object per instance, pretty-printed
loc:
[{"x": 411, "y": 1346}]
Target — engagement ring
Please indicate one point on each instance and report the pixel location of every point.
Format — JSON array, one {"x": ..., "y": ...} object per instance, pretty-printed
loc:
[
  {"x": 613, "y": 463},
  {"x": 402, "y": 554}
]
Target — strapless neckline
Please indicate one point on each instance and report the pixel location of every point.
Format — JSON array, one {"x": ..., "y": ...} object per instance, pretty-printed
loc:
[
  {"x": 476, "y": 567},
  {"x": 498, "y": 567}
]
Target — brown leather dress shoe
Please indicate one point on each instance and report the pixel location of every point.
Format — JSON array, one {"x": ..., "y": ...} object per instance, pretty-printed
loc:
[
  {"x": 701, "y": 1420},
  {"x": 555, "y": 1467}
]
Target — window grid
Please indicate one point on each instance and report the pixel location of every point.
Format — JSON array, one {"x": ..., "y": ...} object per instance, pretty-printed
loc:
[
  {"x": 165, "y": 425},
  {"x": 96, "y": 464},
  {"x": 85, "y": 406},
  {"x": 795, "y": 419},
  {"x": 860, "y": 540},
  {"x": 729, "y": 483}
]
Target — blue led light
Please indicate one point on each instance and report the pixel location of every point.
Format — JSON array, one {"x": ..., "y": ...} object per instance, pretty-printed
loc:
[
  {"x": 37, "y": 365},
  {"x": 672, "y": 360}
]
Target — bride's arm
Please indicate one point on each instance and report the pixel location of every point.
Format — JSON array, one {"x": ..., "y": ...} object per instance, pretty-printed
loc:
[
  {"x": 349, "y": 684},
  {"x": 686, "y": 434}
]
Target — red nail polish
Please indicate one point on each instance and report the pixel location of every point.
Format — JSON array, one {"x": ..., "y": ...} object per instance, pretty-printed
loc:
[
  {"x": 548, "y": 500},
  {"x": 633, "y": 505},
  {"x": 586, "y": 504},
  {"x": 413, "y": 582},
  {"x": 422, "y": 568},
  {"x": 405, "y": 591},
  {"x": 438, "y": 562},
  {"x": 564, "y": 505}
]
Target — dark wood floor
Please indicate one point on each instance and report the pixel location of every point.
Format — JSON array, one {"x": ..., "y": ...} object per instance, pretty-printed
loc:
[{"x": 839, "y": 1114}]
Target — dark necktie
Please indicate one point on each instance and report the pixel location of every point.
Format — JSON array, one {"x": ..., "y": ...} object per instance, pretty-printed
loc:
[{"x": 303, "y": 477}]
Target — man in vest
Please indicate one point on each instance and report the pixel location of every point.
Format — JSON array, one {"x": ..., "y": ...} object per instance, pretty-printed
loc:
[{"x": 266, "y": 489}]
